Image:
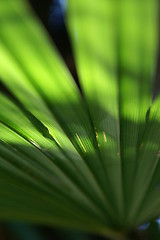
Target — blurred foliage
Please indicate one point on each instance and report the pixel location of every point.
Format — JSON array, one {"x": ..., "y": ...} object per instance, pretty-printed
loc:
[{"x": 55, "y": 25}]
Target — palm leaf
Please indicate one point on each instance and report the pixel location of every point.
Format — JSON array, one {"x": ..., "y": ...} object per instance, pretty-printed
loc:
[
  {"x": 91, "y": 160},
  {"x": 116, "y": 63}
]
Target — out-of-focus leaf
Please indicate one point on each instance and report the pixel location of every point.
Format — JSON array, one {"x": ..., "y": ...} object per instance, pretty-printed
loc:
[{"x": 115, "y": 47}]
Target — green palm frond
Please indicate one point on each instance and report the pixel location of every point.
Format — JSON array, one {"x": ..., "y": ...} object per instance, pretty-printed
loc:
[{"x": 88, "y": 161}]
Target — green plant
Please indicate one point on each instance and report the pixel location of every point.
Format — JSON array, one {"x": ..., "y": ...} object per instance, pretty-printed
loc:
[{"x": 88, "y": 161}]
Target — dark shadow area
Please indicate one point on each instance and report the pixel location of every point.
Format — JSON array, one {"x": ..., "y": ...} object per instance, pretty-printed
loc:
[
  {"x": 25, "y": 231},
  {"x": 156, "y": 87}
]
